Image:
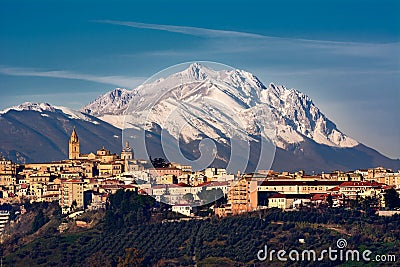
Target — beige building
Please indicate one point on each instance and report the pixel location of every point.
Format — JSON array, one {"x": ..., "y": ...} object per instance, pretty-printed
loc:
[
  {"x": 298, "y": 186},
  {"x": 8, "y": 171},
  {"x": 183, "y": 209},
  {"x": 242, "y": 197},
  {"x": 282, "y": 201},
  {"x": 110, "y": 169},
  {"x": 71, "y": 192},
  {"x": 352, "y": 190},
  {"x": 166, "y": 179}
]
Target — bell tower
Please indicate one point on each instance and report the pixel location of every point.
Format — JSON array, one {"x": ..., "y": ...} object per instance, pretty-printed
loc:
[
  {"x": 74, "y": 148},
  {"x": 127, "y": 152},
  {"x": 127, "y": 155}
]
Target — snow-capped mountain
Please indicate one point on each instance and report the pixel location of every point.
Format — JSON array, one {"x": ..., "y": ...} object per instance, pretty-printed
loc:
[
  {"x": 191, "y": 106},
  {"x": 293, "y": 113},
  {"x": 38, "y": 132}
]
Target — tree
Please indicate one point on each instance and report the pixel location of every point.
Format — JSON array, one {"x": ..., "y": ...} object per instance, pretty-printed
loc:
[
  {"x": 329, "y": 199},
  {"x": 98, "y": 259},
  {"x": 369, "y": 204},
  {"x": 188, "y": 197},
  {"x": 208, "y": 196},
  {"x": 392, "y": 199},
  {"x": 132, "y": 258},
  {"x": 163, "y": 199},
  {"x": 159, "y": 163},
  {"x": 39, "y": 221},
  {"x": 73, "y": 205},
  {"x": 127, "y": 208}
]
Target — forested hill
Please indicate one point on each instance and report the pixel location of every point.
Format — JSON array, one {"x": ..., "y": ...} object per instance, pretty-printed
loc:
[{"x": 132, "y": 233}]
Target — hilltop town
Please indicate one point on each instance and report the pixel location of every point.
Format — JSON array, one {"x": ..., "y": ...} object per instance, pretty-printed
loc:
[
  {"x": 120, "y": 207},
  {"x": 84, "y": 182}
]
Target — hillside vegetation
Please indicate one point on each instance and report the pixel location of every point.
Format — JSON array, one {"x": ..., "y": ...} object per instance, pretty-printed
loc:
[{"x": 133, "y": 232}]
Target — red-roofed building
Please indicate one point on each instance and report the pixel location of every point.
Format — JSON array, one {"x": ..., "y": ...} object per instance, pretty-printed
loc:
[
  {"x": 298, "y": 186},
  {"x": 362, "y": 189}
]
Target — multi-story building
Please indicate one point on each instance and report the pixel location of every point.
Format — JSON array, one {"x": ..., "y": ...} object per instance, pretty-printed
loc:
[
  {"x": 282, "y": 201},
  {"x": 388, "y": 178},
  {"x": 361, "y": 189},
  {"x": 167, "y": 179},
  {"x": 8, "y": 172},
  {"x": 298, "y": 186},
  {"x": 4, "y": 215},
  {"x": 156, "y": 172},
  {"x": 71, "y": 195},
  {"x": 184, "y": 209},
  {"x": 110, "y": 169},
  {"x": 242, "y": 197},
  {"x": 377, "y": 172}
]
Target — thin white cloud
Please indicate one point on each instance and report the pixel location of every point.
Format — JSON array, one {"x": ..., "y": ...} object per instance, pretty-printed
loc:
[
  {"x": 214, "y": 33},
  {"x": 122, "y": 81},
  {"x": 195, "y": 31},
  {"x": 229, "y": 42}
]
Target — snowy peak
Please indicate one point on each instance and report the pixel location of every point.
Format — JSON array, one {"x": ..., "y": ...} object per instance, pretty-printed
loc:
[
  {"x": 39, "y": 107},
  {"x": 114, "y": 102},
  {"x": 295, "y": 115},
  {"x": 45, "y": 110},
  {"x": 197, "y": 72}
]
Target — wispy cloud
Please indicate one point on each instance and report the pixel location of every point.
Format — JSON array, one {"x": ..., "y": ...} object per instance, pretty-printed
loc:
[
  {"x": 232, "y": 42},
  {"x": 123, "y": 81},
  {"x": 195, "y": 31},
  {"x": 215, "y": 33}
]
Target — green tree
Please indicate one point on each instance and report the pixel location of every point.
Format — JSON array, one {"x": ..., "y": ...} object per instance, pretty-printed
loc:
[
  {"x": 98, "y": 259},
  {"x": 132, "y": 258},
  {"x": 329, "y": 199},
  {"x": 39, "y": 221},
  {"x": 159, "y": 163},
  {"x": 163, "y": 198},
  {"x": 208, "y": 196},
  {"x": 188, "y": 197},
  {"x": 369, "y": 204},
  {"x": 127, "y": 209},
  {"x": 392, "y": 199}
]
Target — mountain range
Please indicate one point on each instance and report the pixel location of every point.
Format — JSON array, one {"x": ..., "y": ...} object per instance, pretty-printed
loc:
[{"x": 186, "y": 108}]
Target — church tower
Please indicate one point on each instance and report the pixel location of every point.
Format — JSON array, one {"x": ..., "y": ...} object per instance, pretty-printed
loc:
[
  {"x": 127, "y": 155},
  {"x": 127, "y": 152},
  {"x": 74, "y": 148}
]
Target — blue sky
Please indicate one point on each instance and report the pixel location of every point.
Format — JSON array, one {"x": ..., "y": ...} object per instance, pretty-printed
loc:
[{"x": 344, "y": 54}]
